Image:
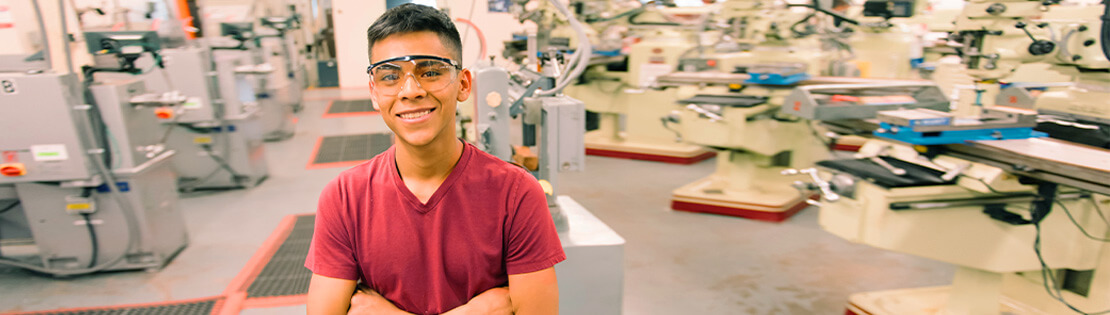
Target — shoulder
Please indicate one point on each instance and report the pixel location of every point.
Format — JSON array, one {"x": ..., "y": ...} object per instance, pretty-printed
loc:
[
  {"x": 363, "y": 175},
  {"x": 494, "y": 170}
]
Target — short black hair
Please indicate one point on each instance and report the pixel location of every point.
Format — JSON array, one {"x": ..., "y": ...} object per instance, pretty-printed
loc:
[{"x": 408, "y": 18}]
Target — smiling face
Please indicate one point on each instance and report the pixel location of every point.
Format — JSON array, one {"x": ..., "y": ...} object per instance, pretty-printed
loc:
[{"x": 419, "y": 117}]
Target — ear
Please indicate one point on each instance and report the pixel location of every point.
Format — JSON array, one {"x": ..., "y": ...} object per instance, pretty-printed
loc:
[
  {"x": 465, "y": 84},
  {"x": 373, "y": 97}
]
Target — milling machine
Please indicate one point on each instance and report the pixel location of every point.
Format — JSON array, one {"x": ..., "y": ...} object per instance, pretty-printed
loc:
[
  {"x": 621, "y": 35},
  {"x": 1023, "y": 216},
  {"x": 740, "y": 120}
]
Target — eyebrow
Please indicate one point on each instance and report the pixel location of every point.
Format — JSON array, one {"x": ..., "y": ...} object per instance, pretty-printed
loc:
[
  {"x": 428, "y": 63},
  {"x": 388, "y": 66}
]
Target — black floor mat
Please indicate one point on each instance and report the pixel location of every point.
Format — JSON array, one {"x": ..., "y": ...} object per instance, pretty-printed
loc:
[
  {"x": 285, "y": 273},
  {"x": 192, "y": 307},
  {"x": 351, "y": 106},
  {"x": 352, "y": 147}
]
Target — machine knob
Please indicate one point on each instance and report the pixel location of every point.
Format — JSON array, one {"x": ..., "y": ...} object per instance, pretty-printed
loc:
[
  {"x": 996, "y": 9},
  {"x": 1041, "y": 47},
  {"x": 13, "y": 169}
]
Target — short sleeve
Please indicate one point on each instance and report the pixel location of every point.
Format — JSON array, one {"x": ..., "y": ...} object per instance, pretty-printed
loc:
[
  {"x": 533, "y": 243},
  {"x": 331, "y": 253}
]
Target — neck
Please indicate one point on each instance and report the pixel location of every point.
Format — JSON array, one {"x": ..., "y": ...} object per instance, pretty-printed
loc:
[{"x": 432, "y": 162}]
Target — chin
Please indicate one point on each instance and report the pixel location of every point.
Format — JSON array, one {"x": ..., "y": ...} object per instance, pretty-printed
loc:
[{"x": 417, "y": 140}]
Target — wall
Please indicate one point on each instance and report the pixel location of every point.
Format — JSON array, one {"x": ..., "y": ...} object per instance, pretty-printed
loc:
[{"x": 352, "y": 17}]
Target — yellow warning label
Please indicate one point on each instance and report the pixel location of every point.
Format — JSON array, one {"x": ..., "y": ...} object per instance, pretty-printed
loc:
[
  {"x": 202, "y": 140},
  {"x": 78, "y": 206}
]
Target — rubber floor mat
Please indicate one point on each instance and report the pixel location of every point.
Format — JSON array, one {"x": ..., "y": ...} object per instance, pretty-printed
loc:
[
  {"x": 198, "y": 306},
  {"x": 336, "y": 151},
  {"x": 284, "y": 273},
  {"x": 345, "y": 108}
]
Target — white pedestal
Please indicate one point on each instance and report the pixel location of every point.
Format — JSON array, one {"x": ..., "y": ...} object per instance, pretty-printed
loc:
[{"x": 591, "y": 280}]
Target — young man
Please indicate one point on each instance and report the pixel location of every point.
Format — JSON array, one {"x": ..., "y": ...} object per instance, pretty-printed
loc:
[{"x": 433, "y": 225}]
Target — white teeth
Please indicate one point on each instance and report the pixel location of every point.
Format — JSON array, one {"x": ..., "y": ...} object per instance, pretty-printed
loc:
[{"x": 415, "y": 115}]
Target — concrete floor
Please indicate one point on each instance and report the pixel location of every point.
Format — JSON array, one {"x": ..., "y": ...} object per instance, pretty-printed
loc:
[{"x": 675, "y": 262}]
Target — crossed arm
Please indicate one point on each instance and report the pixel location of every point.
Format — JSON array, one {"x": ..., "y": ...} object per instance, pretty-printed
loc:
[{"x": 529, "y": 293}]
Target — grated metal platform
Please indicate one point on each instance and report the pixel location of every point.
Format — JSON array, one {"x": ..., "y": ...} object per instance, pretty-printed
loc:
[
  {"x": 350, "y": 106},
  {"x": 285, "y": 274},
  {"x": 204, "y": 306},
  {"x": 335, "y": 149}
]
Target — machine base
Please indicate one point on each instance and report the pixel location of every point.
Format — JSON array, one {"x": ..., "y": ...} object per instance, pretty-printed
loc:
[
  {"x": 763, "y": 204},
  {"x": 920, "y": 301},
  {"x": 591, "y": 280},
  {"x": 678, "y": 153}
]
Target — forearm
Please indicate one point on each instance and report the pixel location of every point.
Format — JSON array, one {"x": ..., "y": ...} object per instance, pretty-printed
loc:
[
  {"x": 491, "y": 302},
  {"x": 534, "y": 293},
  {"x": 369, "y": 302}
]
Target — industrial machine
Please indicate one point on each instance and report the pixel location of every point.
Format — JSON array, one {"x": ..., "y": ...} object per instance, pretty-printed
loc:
[
  {"x": 884, "y": 43},
  {"x": 591, "y": 279},
  {"x": 1022, "y": 215},
  {"x": 629, "y": 128},
  {"x": 729, "y": 101},
  {"x": 86, "y": 180},
  {"x": 278, "y": 44},
  {"x": 276, "y": 107},
  {"x": 623, "y": 36},
  {"x": 218, "y": 140}
]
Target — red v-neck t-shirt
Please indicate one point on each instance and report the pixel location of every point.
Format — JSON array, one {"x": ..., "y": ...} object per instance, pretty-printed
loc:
[{"x": 488, "y": 219}]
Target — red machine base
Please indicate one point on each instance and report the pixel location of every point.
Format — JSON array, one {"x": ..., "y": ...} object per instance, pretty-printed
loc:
[
  {"x": 651, "y": 157},
  {"x": 769, "y": 216}
]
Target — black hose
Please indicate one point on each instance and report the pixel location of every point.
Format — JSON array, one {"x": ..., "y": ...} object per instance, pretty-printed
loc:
[
  {"x": 618, "y": 16},
  {"x": 1106, "y": 28},
  {"x": 100, "y": 130},
  {"x": 794, "y": 27},
  {"x": 92, "y": 239},
  {"x": 830, "y": 13},
  {"x": 86, "y": 193},
  {"x": 10, "y": 207},
  {"x": 632, "y": 20}
]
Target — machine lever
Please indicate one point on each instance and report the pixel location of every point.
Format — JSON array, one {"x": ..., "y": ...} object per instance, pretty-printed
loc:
[
  {"x": 822, "y": 185},
  {"x": 894, "y": 170},
  {"x": 875, "y": 158},
  {"x": 713, "y": 117},
  {"x": 673, "y": 117}
]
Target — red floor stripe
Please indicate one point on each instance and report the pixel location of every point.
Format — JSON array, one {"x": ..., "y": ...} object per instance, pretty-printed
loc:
[
  {"x": 254, "y": 266},
  {"x": 276, "y": 301},
  {"x": 312, "y": 156}
]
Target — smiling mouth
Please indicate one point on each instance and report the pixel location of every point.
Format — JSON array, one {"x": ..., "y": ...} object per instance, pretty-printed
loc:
[{"x": 415, "y": 115}]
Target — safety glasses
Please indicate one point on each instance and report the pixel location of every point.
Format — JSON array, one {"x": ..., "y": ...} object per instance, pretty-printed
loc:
[{"x": 431, "y": 73}]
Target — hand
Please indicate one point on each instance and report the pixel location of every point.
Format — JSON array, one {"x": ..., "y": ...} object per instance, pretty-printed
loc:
[
  {"x": 366, "y": 301},
  {"x": 492, "y": 302}
]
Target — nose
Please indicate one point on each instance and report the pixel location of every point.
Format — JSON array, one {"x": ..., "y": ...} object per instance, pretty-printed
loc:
[{"x": 410, "y": 88}]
